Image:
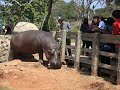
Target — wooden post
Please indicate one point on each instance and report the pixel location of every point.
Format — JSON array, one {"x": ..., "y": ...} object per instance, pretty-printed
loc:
[
  {"x": 78, "y": 51},
  {"x": 63, "y": 46},
  {"x": 95, "y": 54},
  {"x": 118, "y": 67},
  {"x": 53, "y": 34}
]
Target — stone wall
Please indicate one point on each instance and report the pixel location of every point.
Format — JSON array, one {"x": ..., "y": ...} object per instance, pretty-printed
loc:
[{"x": 4, "y": 47}]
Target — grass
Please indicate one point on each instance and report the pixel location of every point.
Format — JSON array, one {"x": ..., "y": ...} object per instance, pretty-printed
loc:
[{"x": 4, "y": 88}]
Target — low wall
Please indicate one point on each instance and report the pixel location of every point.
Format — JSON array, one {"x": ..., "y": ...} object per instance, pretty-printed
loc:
[{"x": 4, "y": 47}]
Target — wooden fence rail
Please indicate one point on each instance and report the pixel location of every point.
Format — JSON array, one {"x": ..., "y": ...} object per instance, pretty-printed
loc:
[{"x": 94, "y": 62}]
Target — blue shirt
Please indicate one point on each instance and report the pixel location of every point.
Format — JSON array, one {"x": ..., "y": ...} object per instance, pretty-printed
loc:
[{"x": 101, "y": 25}]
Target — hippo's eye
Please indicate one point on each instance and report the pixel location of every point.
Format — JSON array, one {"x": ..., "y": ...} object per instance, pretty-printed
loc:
[{"x": 51, "y": 51}]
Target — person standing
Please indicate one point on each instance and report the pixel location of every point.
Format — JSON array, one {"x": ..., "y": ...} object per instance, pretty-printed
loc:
[
  {"x": 85, "y": 29},
  {"x": 116, "y": 26},
  {"x": 65, "y": 26},
  {"x": 101, "y": 25},
  {"x": 109, "y": 25}
]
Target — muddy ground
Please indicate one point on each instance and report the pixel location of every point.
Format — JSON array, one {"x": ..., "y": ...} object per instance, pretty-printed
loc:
[{"x": 18, "y": 75}]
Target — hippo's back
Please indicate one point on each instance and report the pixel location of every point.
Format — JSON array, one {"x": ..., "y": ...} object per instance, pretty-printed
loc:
[{"x": 27, "y": 41}]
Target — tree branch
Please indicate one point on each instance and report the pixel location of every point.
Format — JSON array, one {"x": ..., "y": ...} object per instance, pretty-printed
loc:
[
  {"x": 22, "y": 4},
  {"x": 17, "y": 2}
]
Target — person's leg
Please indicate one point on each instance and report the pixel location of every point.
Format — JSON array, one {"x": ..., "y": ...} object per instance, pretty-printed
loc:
[
  {"x": 68, "y": 42},
  {"x": 83, "y": 44},
  {"x": 87, "y": 43}
]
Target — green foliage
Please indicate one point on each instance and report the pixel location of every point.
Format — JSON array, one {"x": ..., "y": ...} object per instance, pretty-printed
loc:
[
  {"x": 103, "y": 12},
  {"x": 15, "y": 11},
  {"x": 53, "y": 26},
  {"x": 64, "y": 10},
  {"x": 33, "y": 12},
  {"x": 110, "y": 6}
]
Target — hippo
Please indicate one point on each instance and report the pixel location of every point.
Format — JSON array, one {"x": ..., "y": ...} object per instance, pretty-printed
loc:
[{"x": 31, "y": 42}]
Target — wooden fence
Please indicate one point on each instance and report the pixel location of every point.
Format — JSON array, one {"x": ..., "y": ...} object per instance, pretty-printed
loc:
[{"x": 93, "y": 62}]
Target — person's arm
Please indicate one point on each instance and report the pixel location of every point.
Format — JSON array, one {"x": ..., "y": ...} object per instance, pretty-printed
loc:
[
  {"x": 60, "y": 28},
  {"x": 81, "y": 28},
  {"x": 100, "y": 25},
  {"x": 68, "y": 26}
]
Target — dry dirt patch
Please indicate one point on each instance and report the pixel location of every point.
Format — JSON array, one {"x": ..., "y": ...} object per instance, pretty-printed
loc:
[{"x": 33, "y": 76}]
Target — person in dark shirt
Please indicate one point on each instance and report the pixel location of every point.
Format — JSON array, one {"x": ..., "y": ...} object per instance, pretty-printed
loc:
[
  {"x": 85, "y": 29},
  {"x": 109, "y": 25},
  {"x": 94, "y": 25}
]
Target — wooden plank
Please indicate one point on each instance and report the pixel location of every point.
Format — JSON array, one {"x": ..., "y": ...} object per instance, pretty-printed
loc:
[
  {"x": 106, "y": 66},
  {"x": 63, "y": 46},
  {"x": 85, "y": 65},
  {"x": 90, "y": 35},
  {"x": 78, "y": 51},
  {"x": 86, "y": 50},
  {"x": 73, "y": 51},
  {"x": 87, "y": 38},
  {"x": 71, "y": 33},
  {"x": 70, "y": 47},
  {"x": 70, "y": 58},
  {"x": 95, "y": 55},
  {"x": 118, "y": 67},
  {"x": 85, "y": 60},
  {"x": 103, "y": 53},
  {"x": 72, "y": 37},
  {"x": 103, "y": 70},
  {"x": 108, "y": 38}
]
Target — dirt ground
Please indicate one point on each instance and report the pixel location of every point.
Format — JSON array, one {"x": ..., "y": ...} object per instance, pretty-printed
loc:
[{"x": 19, "y": 75}]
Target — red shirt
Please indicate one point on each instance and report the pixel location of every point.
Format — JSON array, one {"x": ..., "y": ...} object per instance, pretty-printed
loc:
[
  {"x": 116, "y": 30},
  {"x": 116, "y": 27}
]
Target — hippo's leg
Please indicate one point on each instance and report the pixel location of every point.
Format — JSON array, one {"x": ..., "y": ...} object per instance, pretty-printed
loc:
[
  {"x": 41, "y": 56},
  {"x": 11, "y": 55}
]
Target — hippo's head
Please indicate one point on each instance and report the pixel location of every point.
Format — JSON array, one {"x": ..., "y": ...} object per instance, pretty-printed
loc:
[
  {"x": 53, "y": 59},
  {"x": 54, "y": 62}
]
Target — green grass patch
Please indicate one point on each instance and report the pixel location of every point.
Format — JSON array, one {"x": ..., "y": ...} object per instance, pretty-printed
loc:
[{"x": 4, "y": 88}]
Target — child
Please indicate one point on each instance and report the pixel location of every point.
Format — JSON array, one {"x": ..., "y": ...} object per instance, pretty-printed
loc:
[{"x": 116, "y": 25}]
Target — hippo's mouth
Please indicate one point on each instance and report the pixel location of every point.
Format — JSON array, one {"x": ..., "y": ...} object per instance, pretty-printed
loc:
[{"x": 54, "y": 65}]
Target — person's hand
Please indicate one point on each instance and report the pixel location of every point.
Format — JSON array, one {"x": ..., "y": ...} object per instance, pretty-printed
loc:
[{"x": 59, "y": 30}]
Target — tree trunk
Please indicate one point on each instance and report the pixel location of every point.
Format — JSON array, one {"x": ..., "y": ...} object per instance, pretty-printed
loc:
[{"x": 45, "y": 24}]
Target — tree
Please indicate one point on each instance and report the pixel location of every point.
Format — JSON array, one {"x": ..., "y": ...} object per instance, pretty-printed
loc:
[
  {"x": 24, "y": 10},
  {"x": 64, "y": 10},
  {"x": 45, "y": 24},
  {"x": 83, "y": 6},
  {"x": 107, "y": 10},
  {"x": 34, "y": 11}
]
